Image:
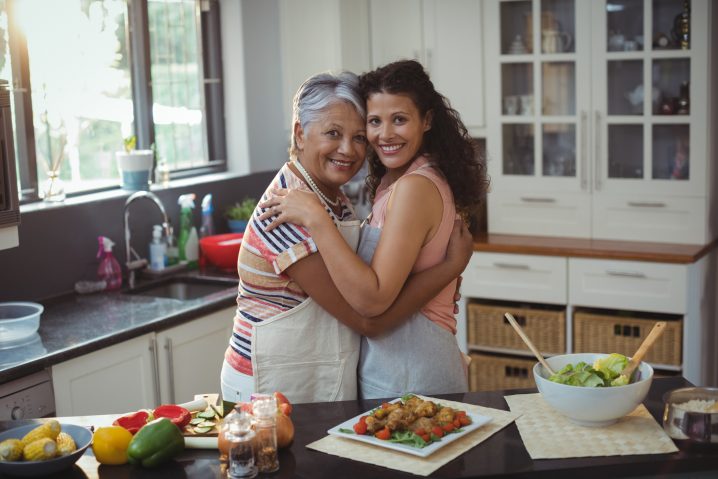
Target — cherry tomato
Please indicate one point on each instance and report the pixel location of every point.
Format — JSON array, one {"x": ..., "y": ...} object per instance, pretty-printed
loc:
[
  {"x": 426, "y": 437},
  {"x": 465, "y": 421},
  {"x": 448, "y": 427},
  {"x": 437, "y": 431},
  {"x": 384, "y": 434},
  {"x": 360, "y": 427}
]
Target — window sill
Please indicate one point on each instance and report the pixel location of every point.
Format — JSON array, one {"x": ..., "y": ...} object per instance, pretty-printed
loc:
[{"x": 120, "y": 193}]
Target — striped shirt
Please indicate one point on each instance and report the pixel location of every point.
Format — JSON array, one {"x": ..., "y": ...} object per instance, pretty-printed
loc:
[{"x": 265, "y": 290}]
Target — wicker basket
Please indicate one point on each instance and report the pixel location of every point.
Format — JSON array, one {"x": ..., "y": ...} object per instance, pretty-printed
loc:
[
  {"x": 603, "y": 333},
  {"x": 488, "y": 327},
  {"x": 488, "y": 372}
]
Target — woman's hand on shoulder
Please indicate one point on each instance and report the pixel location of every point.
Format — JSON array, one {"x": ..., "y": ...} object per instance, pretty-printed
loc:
[{"x": 292, "y": 206}]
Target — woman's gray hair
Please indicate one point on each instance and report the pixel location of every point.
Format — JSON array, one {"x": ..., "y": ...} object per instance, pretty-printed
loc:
[{"x": 317, "y": 93}]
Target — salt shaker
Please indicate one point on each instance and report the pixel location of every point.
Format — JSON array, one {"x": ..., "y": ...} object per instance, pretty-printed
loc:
[
  {"x": 265, "y": 426},
  {"x": 240, "y": 437}
]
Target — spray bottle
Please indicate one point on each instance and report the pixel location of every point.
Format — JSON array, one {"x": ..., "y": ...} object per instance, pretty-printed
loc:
[
  {"x": 188, "y": 242},
  {"x": 207, "y": 228},
  {"x": 109, "y": 269}
]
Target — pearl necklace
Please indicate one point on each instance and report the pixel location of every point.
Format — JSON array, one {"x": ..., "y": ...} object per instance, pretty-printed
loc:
[{"x": 314, "y": 186}]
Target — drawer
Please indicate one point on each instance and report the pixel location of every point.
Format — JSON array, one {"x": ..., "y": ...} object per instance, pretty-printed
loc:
[
  {"x": 516, "y": 277},
  {"x": 631, "y": 285},
  {"x": 659, "y": 219},
  {"x": 547, "y": 213}
]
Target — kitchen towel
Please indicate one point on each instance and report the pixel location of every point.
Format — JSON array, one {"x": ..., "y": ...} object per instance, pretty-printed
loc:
[
  {"x": 422, "y": 466},
  {"x": 549, "y": 435}
]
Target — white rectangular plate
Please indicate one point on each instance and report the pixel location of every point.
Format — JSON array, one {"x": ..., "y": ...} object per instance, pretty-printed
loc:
[{"x": 477, "y": 420}]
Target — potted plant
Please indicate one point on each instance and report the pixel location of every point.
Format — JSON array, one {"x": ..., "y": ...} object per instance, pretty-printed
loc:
[
  {"x": 135, "y": 166},
  {"x": 239, "y": 213}
]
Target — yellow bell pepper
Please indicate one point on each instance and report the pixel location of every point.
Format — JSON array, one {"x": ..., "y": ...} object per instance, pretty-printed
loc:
[{"x": 110, "y": 444}]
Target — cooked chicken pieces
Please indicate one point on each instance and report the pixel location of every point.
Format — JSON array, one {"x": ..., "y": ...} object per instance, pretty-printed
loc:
[{"x": 399, "y": 419}]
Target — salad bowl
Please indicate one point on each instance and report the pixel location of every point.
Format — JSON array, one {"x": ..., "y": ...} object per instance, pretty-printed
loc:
[{"x": 586, "y": 405}]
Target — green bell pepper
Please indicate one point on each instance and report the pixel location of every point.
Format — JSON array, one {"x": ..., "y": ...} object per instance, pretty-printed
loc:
[{"x": 156, "y": 443}]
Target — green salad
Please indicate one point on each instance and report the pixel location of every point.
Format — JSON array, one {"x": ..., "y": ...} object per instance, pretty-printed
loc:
[{"x": 604, "y": 372}]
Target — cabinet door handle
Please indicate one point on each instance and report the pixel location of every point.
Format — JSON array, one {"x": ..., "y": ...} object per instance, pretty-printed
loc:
[
  {"x": 647, "y": 204},
  {"x": 626, "y": 274},
  {"x": 170, "y": 369},
  {"x": 512, "y": 266},
  {"x": 534, "y": 199},
  {"x": 584, "y": 154},
  {"x": 597, "y": 159},
  {"x": 155, "y": 369}
]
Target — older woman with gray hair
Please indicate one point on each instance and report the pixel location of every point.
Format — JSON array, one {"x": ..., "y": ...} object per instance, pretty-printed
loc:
[{"x": 293, "y": 331}]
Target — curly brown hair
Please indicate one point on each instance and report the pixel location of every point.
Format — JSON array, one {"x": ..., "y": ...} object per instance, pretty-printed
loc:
[{"x": 448, "y": 143}]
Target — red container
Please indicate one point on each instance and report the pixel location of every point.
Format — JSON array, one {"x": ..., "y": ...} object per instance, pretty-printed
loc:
[{"x": 222, "y": 250}]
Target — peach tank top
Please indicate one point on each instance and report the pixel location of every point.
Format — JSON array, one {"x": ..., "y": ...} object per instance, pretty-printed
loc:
[{"x": 441, "y": 308}]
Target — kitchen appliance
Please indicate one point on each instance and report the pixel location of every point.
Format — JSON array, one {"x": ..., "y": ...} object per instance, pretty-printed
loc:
[
  {"x": 9, "y": 203},
  {"x": 28, "y": 397}
]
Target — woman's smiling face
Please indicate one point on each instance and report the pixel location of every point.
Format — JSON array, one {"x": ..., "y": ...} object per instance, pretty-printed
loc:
[
  {"x": 333, "y": 148},
  {"x": 395, "y": 128}
]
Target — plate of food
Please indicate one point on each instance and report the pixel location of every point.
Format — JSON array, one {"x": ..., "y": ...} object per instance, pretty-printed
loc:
[{"x": 411, "y": 425}]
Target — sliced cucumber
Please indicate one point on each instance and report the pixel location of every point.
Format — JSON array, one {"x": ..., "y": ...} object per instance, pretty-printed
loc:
[
  {"x": 205, "y": 424},
  {"x": 196, "y": 421},
  {"x": 206, "y": 414},
  {"x": 202, "y": 430}
]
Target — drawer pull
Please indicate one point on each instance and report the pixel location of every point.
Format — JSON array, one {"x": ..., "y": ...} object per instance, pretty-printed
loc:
[
  {"x": 626, "y": 330},
  {"x": 626, "y": 274},
  {"x": 532, "y": 199},
  {"x": 520, "y": 318},
  {"x": 514, "y": 372},
  {"x": 512, "y": 266},
  {"x": 646, "y": 204}
]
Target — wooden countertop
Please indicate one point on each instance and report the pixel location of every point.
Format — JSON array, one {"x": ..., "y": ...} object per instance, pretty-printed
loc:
[{"x": 592, "y": 248}]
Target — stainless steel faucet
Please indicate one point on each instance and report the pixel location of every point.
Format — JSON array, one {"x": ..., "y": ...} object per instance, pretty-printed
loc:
[{"x": 138, "y": 263}]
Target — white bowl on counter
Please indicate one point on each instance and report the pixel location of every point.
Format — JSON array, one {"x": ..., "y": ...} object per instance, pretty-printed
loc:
[
  {"x": 591, "y": 406},
  {"x": 19, "y": 320}
]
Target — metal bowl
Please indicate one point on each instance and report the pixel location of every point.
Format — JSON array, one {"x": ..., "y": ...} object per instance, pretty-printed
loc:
[{"x": 690, "y": 417}]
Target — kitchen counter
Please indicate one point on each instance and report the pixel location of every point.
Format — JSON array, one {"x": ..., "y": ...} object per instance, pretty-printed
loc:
[
  {"x": 503, "y": 454},
  {"x": 74, "y": 325}
]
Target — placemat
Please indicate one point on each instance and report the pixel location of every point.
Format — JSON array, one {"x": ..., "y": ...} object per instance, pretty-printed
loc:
[
  {"x": 422, "y": 466},
  {"x": 549, "y": 435}
]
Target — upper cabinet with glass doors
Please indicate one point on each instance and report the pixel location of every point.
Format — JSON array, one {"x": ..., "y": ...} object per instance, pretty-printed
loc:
[{"x": 591, "y": 130}]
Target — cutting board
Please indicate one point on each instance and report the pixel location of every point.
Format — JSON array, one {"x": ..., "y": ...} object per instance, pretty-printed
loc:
[{"x": 206, "y": 439}]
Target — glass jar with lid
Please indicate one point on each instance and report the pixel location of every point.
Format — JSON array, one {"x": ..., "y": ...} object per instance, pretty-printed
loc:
[{"x": 264, "y": 408}]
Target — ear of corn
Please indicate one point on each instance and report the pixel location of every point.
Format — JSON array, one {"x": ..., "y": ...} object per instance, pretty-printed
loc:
[
  {"x": 10, "y": 450},
  {"x": 44, "y": 448},
  {"x": 65, "y": 444},
  {"x": 50, "y": 429}
]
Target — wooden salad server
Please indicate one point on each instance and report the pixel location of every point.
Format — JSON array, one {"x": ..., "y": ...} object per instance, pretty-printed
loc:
[
  {"x": 528, "y": 342},
  {"x": 643, "y": 349}
]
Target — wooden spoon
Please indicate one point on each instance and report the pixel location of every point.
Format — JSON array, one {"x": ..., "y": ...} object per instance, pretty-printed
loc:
[
  {"x": 528, "y": 342},
  {"x": 643, "y": 349}
]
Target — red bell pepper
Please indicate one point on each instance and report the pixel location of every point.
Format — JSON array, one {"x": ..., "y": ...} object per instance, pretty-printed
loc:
[
  {"x": 179, "y": 416},
  {"x": 133, "y": 422}
]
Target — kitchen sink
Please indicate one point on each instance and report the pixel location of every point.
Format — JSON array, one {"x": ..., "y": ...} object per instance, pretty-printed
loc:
[{"x": 184, "y": 288}]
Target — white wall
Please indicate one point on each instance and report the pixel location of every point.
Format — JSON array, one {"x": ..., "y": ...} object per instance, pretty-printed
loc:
[{"x": 256, "y": 139}]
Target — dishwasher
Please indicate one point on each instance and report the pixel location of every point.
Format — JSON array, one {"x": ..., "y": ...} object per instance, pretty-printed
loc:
[{"x": 28, "y": 397}]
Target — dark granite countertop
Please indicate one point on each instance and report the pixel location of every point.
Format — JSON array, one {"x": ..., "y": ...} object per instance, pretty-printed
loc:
[{"x": 74, "y": 325}]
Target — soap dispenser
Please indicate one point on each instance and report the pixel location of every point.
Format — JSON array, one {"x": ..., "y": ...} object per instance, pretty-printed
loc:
[
  {"x": 188, "y": 242},
  {"x": 158, "y": 249},
  {"x": 109, "y": 269}
]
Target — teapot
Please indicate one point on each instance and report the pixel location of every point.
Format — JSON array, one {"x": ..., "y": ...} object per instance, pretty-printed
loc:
[{"x": 555, "y": 41}]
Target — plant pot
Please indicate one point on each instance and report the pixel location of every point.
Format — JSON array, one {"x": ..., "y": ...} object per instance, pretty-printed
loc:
[
  {"x": 135, "y": 169},
  {"x": 237, "y": 226}
]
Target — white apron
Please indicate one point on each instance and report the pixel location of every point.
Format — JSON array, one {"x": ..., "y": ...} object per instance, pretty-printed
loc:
[{"x": 305, "y": 352}]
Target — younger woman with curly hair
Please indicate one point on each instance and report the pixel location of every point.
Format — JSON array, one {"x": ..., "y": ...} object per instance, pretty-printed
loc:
[{"x": 424, "y": 170}]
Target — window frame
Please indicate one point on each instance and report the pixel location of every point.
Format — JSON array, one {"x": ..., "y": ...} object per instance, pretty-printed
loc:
[{"x": 207, "y": 19}]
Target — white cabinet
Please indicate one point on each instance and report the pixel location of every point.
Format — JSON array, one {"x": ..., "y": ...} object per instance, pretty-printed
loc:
[
  {"x": 165, "y": 367},
  {"x": 599, "y": 125},
  {"x": 446, "y": 37},
  {"x": 113, "y": 380},
  {"x": 321, "y": 35},
  {"x": 190, "y": 356}
]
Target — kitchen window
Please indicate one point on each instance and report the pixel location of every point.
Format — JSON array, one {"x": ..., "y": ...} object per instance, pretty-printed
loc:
[{"x": 86, "y": 74}]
